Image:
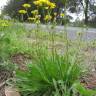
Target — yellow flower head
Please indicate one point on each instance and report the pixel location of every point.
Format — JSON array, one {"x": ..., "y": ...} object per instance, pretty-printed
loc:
[
  {"x": 26, "y": 5},
  {"x": 31, "y": 19},
  {"x": 37, "y": 17},
  {"x": 34, "y": 12},
  {"x": 62, "y": 15},
  {"x": 45, "y": 3},
  {"x": 22, "y": 11},
  {"x": 48, "y": 18},
  {"x": 38, "y": 3},
  {"x": 4, "y": 23},
  {"x": 37, "y": 22},
  {"x": 51, "y": 5}
]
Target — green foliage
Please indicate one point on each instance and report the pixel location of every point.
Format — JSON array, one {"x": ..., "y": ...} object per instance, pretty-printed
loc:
[
  {"x": 83, "y": 91},
  {"x": 50, "y": 74},
  {"x": 12, "y": 40},
  {"x": 13, "y": 6}
]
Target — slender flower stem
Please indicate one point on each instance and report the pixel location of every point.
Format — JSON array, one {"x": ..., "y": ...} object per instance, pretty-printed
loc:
[
  {"x": 27, "y": 13},
  {"x": 22, "y": 17}
]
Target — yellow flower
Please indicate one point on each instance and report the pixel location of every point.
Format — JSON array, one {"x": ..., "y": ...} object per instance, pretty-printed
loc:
[
  {"x": 48, "y": 17},
  {"x": 34, "y": 12},
  {"x": 51, "y": 5},
  {"x": 62, "y": 14},
  {"x": 22, "y": 11},
  {"x": 37, "y": 16},
  {"x": 34, "y": 19},
  {"x": 45, "y": 3},
  {"x": 31, "y": 19},
  {"x": 38, "y": 3},
  {"x": 26, "y": 5},
  {"x": 37, "y": 22},
  {"x": 4, "y": 24}
]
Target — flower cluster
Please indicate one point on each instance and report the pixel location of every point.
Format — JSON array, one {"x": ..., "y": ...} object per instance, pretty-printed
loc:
[
  {"x": 34, "y": 12},
  {"x": 31, "y": 19},
  {"x": 26, "y": 5},
  {"x": 4, "y": 23},
  {"x": 22, "y": 11},
  {"x": 48, "y": 18},
  {"x": 45, "y": 3},
  {"x": 62, "y": 15},
  {"x": 35, "y": 17}
]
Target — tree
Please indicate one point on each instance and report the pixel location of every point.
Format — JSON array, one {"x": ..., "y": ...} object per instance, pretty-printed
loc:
[
  {"x": 72, "y": 5},
  {"x": 86, "y": 11},
  {"x": 13, "y": 6}
]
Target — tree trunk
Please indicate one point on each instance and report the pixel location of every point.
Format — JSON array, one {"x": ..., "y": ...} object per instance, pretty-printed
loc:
[{"x": 86, "y": 11}]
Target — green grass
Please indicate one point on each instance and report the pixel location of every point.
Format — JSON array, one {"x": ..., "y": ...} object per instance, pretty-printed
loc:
[
  {"x": 49, "y": 74},
  {"x": 56, "y": 63}
]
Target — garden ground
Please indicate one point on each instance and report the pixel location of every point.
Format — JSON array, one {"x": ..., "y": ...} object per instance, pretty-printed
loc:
[{"x": 19, "y": 43}]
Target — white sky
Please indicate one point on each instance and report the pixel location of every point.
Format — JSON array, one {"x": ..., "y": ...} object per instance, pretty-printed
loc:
[{"x": 2, "y": 3}]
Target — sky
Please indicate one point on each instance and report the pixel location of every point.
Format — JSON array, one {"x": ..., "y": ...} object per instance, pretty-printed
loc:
[{"x": 2, "y": 3}]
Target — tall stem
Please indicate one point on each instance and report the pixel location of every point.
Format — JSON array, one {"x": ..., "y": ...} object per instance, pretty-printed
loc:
[
  {"x": 66, "y": 34},
  {"x": 22, "y": 17},
  {"x": 27, "y": 13}
]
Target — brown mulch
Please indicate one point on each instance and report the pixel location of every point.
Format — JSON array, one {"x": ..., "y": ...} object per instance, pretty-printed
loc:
[
  {"x": 4, "y": 75},
  {"x": 11, "y": 91},
  {"x": 89, "y": 81},
  {"x": 20, "y": 59}
]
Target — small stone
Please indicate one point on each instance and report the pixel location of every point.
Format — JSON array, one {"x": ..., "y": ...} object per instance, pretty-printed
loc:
[
  {"x": 11, "y": 92},
  {"x": 93, "y": 70}
]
